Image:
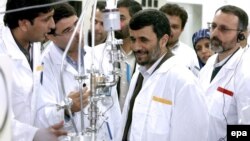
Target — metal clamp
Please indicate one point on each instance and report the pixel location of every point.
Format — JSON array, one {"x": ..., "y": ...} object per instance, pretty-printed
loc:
[{"x": 69, "y": 103}]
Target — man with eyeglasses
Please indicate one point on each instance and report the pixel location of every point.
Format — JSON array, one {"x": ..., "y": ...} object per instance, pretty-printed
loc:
[
  {"x": 225, "y": 91},
  {"x": 65, "y": 19},
  {"x": 65, "y": 23}
]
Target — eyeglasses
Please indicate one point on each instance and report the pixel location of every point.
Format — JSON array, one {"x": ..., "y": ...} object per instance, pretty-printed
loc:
[
  {"x": 222, "y": 28},
  {"x": 67, "y": 31}
]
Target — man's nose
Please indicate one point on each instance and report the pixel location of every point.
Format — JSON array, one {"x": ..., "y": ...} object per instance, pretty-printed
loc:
[{"x": 52, "y": 24}]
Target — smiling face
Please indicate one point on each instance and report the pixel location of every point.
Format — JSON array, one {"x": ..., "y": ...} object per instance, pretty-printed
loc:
[{"x": 146, "y": 47}]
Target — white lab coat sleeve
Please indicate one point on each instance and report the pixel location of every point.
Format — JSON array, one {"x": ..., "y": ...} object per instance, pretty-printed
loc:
[
  {"x": 243, "y": 98},
  {"x": 114, "y": 114},
  {"x": 22, "y": 131},
  {"x": 189, "y": 121},
  {"x": 47, "y": 113},
  {"x": 19, "y": 131}
]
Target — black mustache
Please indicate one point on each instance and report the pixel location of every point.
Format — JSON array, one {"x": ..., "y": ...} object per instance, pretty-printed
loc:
[{"x": 140, "y": 51}]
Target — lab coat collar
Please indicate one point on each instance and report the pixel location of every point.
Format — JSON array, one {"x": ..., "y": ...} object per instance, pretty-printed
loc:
[
  {"x": 176, "y": 46},
  {"x": 169, "y": 63},
  {"x": 155, "y": 66},
  {"x": 55, "y": 53},
  {"x": 164, "y": 67},
  {"x": 11, "y": 46},
  {"x": 56, "y": 57},
  {"x": 147, "y": 72},
  {"x": 234, "y": 60},
  {"x": 229, "y": 67}
]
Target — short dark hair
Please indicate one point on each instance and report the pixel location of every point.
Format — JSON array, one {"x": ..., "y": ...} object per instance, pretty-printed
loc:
[
  {"x": 240, "y": 13},
  {"x": 133, "y": 6},
  {"x": 11, "y": 19},
  {"x": 151, "y": 17},
  {"x": 101, "y": 5},
  {"x": 63, "y": 10},
  {"x": 175, "y": 10}
]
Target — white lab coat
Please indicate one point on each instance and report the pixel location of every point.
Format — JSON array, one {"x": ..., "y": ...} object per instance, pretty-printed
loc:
[
  {"x": 230, "y": 78},
  {"x": 47, "y": 113},
  {"x": 243, "y": 70},
  {"x": 169, "y": 107},
  {"x": 101, "y": 58},
  {"x": 25, "y": 86},
  {"x": 187, "y": 57}
]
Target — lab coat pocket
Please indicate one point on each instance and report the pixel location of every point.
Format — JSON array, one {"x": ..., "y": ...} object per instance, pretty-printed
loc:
[
  {"x": 23, "y": 84},
  {"x": 220, "y": 103},
  {"x": 159, "y": 116}
]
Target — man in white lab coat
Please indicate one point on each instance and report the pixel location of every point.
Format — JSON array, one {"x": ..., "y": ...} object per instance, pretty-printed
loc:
[
  {"x": 222, "y": 79},
  {"x": 127, "y": 9},
  {"x": 66, "y": 21},
  {"x": 100, "y": 33},
  {"x": 17, "y": 39},
  {"x": 170, "y": 105},
  {"x": 178, "y": 17}
]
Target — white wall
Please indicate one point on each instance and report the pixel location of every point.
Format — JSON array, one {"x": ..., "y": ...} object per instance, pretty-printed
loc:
[
  {"x": 194, "y": 22},
  {"x": 211, "y": 6},
  {"x": 2, "y": 8}
]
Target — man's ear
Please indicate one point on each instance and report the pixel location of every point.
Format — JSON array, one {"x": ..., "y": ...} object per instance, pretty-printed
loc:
[
  {"x": 164, "y": 40},
  {"x": 24, "y": 24}
]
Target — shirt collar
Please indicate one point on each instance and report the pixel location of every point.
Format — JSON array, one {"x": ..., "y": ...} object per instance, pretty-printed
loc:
[
  {"x": 149, "y": 72},
  {"x": 224, "y": 61},
  {"x": 24, "y": 51},
  {"x": 130, "y": 53},
  {"x": 176, "y": 45},
  {"x": 70, "y": 60}
]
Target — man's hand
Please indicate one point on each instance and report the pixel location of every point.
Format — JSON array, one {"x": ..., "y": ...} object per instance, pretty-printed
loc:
[
  {"x": 50, "y": 134},
  {"x": 75, "y": 96},
  {"x": 56, "y": 129}
]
